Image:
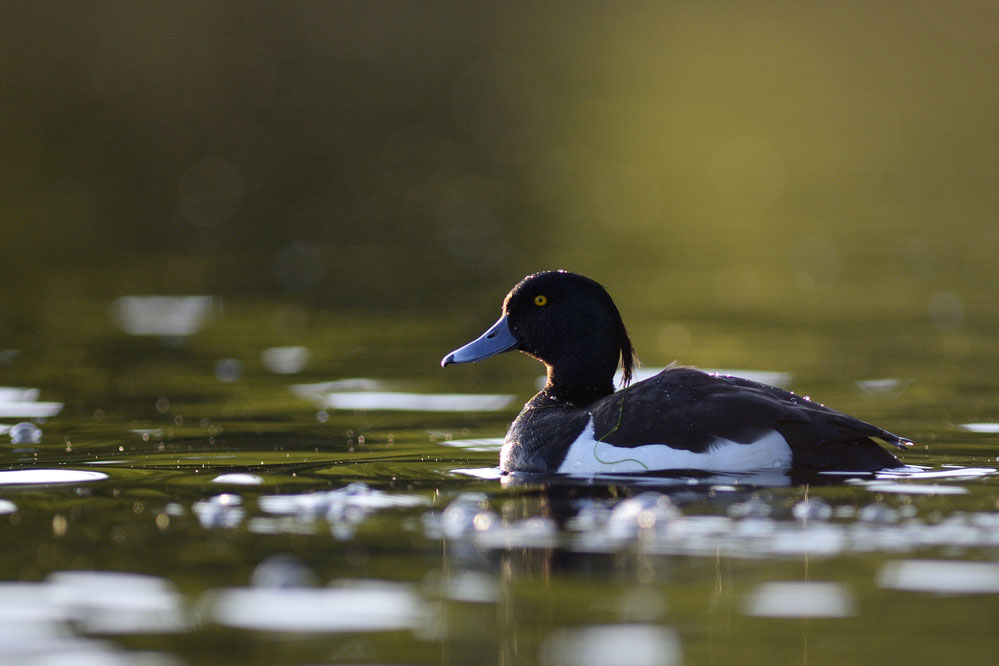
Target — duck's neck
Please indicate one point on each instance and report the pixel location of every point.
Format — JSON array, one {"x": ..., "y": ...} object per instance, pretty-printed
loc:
[{"x": 578, "y": 384}]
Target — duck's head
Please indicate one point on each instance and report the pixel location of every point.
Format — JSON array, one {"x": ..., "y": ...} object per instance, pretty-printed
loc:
[{"x": 569, "y": 323}]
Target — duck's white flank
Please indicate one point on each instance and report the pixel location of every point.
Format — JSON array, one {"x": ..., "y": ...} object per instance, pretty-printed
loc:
[{"x": 588, "y": 456}]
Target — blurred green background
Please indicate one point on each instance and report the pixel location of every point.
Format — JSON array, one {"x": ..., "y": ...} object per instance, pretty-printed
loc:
[{"x": 382, "y": 156}]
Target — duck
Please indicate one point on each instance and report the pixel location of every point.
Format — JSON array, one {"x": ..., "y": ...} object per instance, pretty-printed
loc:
[{"x": 682, "y": 418}]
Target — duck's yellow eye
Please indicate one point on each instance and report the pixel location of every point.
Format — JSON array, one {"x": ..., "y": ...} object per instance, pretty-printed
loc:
[{"x": 540, "y": 300}]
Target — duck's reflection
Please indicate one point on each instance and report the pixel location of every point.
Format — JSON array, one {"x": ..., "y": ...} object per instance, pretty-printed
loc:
[{"x": 635, "y": 545}]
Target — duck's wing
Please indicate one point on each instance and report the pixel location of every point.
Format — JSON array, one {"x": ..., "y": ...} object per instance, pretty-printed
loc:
[{"x": 692, "y": 410}]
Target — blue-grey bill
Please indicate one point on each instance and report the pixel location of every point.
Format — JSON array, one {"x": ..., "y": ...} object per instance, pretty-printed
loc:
[{"x": 496, "y": 340}]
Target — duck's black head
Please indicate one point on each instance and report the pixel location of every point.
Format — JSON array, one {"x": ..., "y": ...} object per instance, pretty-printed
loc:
[{"x": 569, "y": 323}]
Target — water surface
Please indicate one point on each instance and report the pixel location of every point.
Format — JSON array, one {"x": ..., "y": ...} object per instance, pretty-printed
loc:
[{"x": 197, "y": 494}]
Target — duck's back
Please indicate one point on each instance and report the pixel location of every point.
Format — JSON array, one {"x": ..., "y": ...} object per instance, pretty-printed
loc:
[{"x": 684, "y": 418}]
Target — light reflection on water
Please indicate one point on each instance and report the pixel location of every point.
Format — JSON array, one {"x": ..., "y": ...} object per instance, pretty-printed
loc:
[
  {"x": 369, "y": 394},
  {"x": 481, "y": 444},
  {"x": 800, "y": 599},
  {"x": 487, "y": 473},
  {"x": 612, "y": 645},
  {"x": 471, "y": 527},
  {"x": 419, "y": 402},
  {"x": 941, "y": 576},
  {"x": 224, "y": 510},
  {"x": 239, "y": 479},
  {"x": 285, "y": 360},
  {"x": 883, "y": 388},
  {"x": 39, "y": 622},
  {"x": 247, "y": 515},
  {"x": 317, "y": 389},
  {"x": 49, "y": 476},
  {"x": 109, "y": 602},
  {"x": 167, "y": 316},
  {"x": 15, "y": 394},
  {"x": 652, "y": 523},
  {"x": 980, "y": 427},
  {"x": 23, "y": 403},
  {"x": 350, "y": 606}
]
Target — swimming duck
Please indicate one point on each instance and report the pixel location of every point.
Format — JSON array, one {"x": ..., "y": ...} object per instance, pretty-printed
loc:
[{"x": 679, "y": 419}]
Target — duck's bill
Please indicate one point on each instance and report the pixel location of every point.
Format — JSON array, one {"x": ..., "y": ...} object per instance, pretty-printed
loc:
[{"x": 496, "y": 340}]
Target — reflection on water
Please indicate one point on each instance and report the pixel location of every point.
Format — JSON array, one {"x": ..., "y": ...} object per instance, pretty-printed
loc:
[
  {"x": 612, "y": 645},
  {"x": 190, "y": 499},
  {"x": 110, "y": 602},
  {"x": 883, "y": 388},
  {"x": 239, "y": 479},
  {"x": 167, "y": 316},
  {"x": 283, "y": 571},
  {"x": 486, "y": 473},
  {"x": 980, "y": 427},
  {"x": 800, "y": 599},
  {"x": 49, "y": 476},
  {"x": 941, "y": 576},
  {"x": 651, "y": 522},
  {"x": 419, "y": 402},
  {"x": 229, "y": 370},
  {"x": 23, "y": 403},
  {"x": 13, "y": 394},
  {"x": 285, "y": 360},
  {"x": 357, "y": 499},
  {"x": 343, "y": 509},
  {"x": 907, "y": 481},
  {"x": 436, "y": 543},
  {"x": 482, "y": 444},
  {"x": 25, "y": 433},
  {"x": 471, "y": 587},
  {"x": 913, "y": 489},
  {"x": 368, "y": 394},
  {"x": 532, "y": 529},
  {"x": 39, "y": 620},
  {"x": 225, "y": 511},
  {"x": 350, "y": 606},
  {"x": 951, "y": 472},
  {"x": 318, "y": 389}
]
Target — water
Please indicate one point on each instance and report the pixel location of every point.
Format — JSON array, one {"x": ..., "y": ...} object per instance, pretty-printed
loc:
[{"x": 337, "y": 500}]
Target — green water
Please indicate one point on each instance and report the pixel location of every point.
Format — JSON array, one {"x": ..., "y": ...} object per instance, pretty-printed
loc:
[
  {"x": 343, "y": 193},
  {"x": 522, "y": 578}
]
